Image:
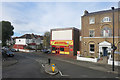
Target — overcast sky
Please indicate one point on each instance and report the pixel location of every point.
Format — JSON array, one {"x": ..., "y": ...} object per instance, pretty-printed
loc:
[{"x": 39, "y": 17}]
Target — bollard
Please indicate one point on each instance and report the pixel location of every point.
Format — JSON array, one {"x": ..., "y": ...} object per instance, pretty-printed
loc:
[
  {"x": 53, "y": 67},
  {"x": 49, "y": 61}
]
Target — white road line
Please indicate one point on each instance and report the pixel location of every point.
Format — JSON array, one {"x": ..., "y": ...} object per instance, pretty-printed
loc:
[
  {"x": 62, "y": 74},
  {"x": 43, "y": 65},
  {"x": 116, "y": 77}
]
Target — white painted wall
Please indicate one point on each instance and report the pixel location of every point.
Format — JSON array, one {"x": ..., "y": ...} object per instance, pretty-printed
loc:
[
  {"x": 23, "y": 41},
  {"x": 62, "y": 35},
  {"x": 20, "y": 41},
  {"x": 87, "y": 59},
  {"x": 38, "y": 41}
]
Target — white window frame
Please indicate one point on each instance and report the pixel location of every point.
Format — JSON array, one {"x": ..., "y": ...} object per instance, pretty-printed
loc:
[
  {"x": 106, "y": 19},
  {"x": 94, "y": 48},
  {"x": 91, "y": 20},
  {"x": 93, "y": 33},
  {"x": 80, "y": 38}
]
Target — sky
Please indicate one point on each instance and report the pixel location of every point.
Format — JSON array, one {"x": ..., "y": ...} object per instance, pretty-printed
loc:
[{"x": 39, "y": 17}]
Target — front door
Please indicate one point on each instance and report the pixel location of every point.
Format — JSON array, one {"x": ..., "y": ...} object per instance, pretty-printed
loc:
[
  {"x": 105, "y": 51},
  {"x": 57, "y": 50}
]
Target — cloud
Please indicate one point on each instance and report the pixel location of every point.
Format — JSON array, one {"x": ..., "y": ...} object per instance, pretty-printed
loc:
[
  {"x": 33, "y": 17},
  {"x": 60, "y": 0}
]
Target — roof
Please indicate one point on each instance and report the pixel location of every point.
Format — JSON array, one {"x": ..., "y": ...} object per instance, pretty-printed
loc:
[
  {"x": 64, "y": 29},
  {"x": 100, "y": 12},
  {"x": 30, "y": 36}
]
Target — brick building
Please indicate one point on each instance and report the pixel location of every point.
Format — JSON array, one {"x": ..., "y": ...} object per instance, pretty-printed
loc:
[
  {"x": 65, "y": 41},
  {"x": 97, "y": 33}
]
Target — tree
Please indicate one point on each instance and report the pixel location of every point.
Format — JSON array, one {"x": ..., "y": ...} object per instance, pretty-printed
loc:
[
  {"x": 46, "y": 40},
  {"x": 7, "y": 31}
]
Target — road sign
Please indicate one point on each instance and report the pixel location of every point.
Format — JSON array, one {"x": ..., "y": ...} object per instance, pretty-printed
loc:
[{"x": 78, "y": 53}]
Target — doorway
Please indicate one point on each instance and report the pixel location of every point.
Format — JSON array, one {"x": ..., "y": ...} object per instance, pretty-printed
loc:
[
  {"x": 104, "y": 51},
  {"x": 57, "y": 50}
]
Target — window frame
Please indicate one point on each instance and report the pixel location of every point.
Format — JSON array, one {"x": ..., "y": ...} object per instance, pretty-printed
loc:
[
  {"x": 106, "y": 19},
  {"x": 62, "y": 48},
  {"x": 92, "y": 20},
  {"x": 92, "y": 34},
  {"x": 90, "y": 48},
  {"x": 104, "y": 34}
]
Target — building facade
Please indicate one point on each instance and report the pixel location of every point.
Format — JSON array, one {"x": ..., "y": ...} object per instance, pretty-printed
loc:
[
  {"x": 97, "y": 33},
  {"x": 28, "y": 40},
  {"x": 65, "y": 41}
]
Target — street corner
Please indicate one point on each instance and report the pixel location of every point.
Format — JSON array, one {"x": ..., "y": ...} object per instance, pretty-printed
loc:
[
  {"x": 9, "y": 61},
  {"x": 50, "y": 69}
]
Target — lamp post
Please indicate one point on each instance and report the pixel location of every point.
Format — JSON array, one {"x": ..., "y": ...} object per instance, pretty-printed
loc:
[
  {"x": 114, "y": 47},
  {"x": 113, "y": 39}
]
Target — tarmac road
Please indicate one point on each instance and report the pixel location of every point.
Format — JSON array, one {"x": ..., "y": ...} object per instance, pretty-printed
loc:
[
  {"x": 25, "y": 68},
  {"x": 29, "y": 66}
]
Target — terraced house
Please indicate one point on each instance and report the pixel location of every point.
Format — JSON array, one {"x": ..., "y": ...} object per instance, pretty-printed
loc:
[{"x": 97, "y": 33}]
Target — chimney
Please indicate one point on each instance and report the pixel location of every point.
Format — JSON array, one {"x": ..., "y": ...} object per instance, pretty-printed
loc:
[{"x": 85, "y": 12}]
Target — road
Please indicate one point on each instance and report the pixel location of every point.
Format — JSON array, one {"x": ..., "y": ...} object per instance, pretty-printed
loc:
[{"x": 29, "y": 66}]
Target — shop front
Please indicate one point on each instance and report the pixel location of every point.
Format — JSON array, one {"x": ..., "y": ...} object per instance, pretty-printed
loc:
[{"x": 62, "y": 47}]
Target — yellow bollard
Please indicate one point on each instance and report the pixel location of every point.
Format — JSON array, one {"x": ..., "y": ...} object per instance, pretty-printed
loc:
[{"x": 53, "y": 67}]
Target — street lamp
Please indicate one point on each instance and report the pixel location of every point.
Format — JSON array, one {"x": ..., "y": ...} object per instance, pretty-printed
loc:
[{"x": 114, "y": 47}]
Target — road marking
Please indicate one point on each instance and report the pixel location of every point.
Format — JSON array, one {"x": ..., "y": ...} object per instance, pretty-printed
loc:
[
  {"x": 116, "y": 77},
  {"x": 62, "y": 74},
  {"x": 43, "y": 65}
]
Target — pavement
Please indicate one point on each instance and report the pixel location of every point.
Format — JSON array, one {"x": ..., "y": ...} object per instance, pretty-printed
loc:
[
  {"x": 91, "y": 65},
  {"x": 9, "y": 61}
]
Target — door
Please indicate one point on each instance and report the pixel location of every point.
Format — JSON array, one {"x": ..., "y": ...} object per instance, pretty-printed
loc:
[
  {"x": 105, "y": 51},
  {"x": 57, "y": 50}
]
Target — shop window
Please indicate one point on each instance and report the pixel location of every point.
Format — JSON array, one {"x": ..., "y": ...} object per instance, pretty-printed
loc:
[
  {"x": 91, "y": 20},
  {"x": 91, "y": 33},
  {"x": 106, "y": 19},
  {"x": 61, "y": 49},
  {"x": 53, "y": 48},
  {"x": 66, "y": 49},
  {"x": 92, "y": 48}
]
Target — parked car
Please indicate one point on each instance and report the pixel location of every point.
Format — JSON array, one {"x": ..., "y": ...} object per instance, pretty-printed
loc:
[
  {"x": 13, "y": 50},
  {"x": 45, "y": 50},
  {"x": 49, "y": 51},
  {"x": 4, "y": 55},
  {"x": 10, "y": 53}
]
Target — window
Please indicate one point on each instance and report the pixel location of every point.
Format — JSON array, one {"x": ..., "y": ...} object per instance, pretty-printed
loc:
[
  {"x": 92, "y": 48},
  {"x": 67, "y": 49},
  {"x": 91, "y": 20},
  {"x": 61, "y": 49},
  {"x": 80, "y": 38},
  {"x": 106, "y": 32},
  {"x": 53, "y": 48},
  {"x": 91, "y": 33},
  {"x": 106, "y": 19}
]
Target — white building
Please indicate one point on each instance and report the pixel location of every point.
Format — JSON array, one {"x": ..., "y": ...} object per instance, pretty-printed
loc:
[{"x": 28, "y": 40}]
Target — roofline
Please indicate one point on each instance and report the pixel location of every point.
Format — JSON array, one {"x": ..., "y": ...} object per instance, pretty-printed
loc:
[
  {"x": 57, "y": 29},
  {"x": 98, "y": 12}
]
